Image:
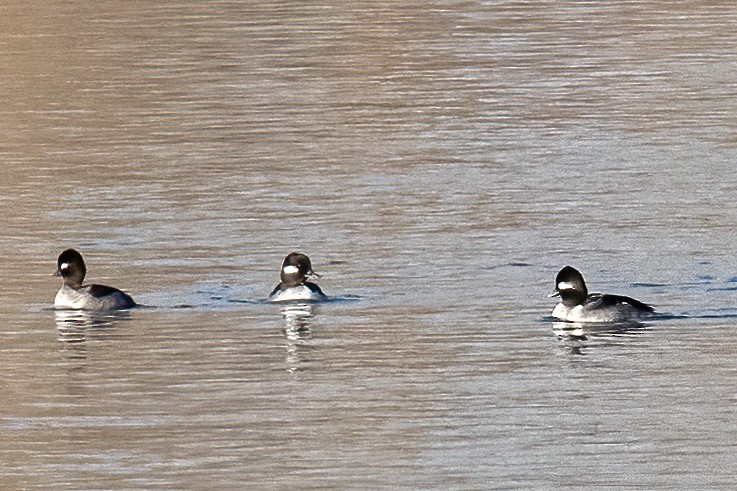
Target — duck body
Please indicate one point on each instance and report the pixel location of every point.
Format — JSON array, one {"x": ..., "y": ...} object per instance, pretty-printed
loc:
[
  {"x": 294, "y": 285},
  {"x": 92, "y": 297},
  {"x": 600, "y": 307},
  {"x": 74, "y": 295},
  {"x": 307, "y": 291},
  {"x": 578, "y": 305}
]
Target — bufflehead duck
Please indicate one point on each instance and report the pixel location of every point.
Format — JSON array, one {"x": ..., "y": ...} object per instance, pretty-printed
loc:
[
  {"x": 73, "y": 295},
  {"x": 294, "y": 285},
  {"x": 577, "y": 305}
]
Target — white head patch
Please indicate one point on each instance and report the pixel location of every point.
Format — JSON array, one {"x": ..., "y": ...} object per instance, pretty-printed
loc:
[
  {"x": 64, "y": 266},
  {"x": 564, "y": 285},
  {"x": 290, "y": 269}
]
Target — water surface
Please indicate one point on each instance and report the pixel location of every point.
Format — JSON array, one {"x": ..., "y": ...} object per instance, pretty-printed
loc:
[{"x": 439, "y": 162}]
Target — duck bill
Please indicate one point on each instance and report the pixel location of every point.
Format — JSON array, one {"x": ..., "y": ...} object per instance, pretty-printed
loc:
[{"x": 555, "y": 293}]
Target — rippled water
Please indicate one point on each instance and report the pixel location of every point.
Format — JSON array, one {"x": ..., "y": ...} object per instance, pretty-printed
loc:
[{"x": 439, "y": 162}]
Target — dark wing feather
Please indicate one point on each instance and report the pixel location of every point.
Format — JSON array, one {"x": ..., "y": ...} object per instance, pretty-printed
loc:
[
  {"x": 98, "y": 291},
  {"x": 315, "y": 289},
  {"x": 611, "y": 300},
  {"x": 276, "y": 290},
  {"x": 123, "y": 300}
]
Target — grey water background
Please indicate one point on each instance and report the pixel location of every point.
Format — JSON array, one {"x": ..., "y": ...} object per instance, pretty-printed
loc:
[{"x": 439, "y": 162}]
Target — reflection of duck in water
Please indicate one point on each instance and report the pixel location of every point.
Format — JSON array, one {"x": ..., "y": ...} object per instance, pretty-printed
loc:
[
  {"x": 577, "y": 305},
  {"x": 602, "y": 332},
  {"x": 74, "y": 295},
  {"x": 295, "y": 271},
  {"x": 297, "y": 317},
  {"x": 571, "y": 330},
  {"x": 87, "y": 319},
  {"x": 297, "y": 328},
  {"x": 76, "y": 326}
]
